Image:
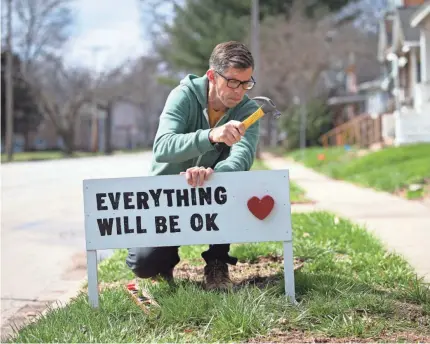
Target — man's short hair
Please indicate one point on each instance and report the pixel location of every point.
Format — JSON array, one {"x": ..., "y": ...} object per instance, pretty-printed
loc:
[{"x": 231, "y": 54}]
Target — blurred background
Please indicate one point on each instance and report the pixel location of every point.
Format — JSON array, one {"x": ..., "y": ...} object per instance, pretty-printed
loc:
[{"x": 91, "y": 77}]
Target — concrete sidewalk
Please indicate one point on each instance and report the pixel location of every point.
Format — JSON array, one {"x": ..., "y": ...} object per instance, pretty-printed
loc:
[{"x": 404, "y": 226}]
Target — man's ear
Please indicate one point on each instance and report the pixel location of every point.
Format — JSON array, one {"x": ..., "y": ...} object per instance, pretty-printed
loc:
[{"x": 211, "y": 75}]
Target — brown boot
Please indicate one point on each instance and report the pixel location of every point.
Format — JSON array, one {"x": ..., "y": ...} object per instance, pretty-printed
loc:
[
  {"x": 216, "y": 276},
  {"x": 168, "y": 276}
]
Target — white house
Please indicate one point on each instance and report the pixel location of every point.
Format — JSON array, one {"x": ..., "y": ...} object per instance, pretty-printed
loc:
[
  {"x": 405, "y": 48},
  {"x": 421, "y": 20}
]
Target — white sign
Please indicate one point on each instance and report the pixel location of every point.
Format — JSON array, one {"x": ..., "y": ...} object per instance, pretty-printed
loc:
[{"x": 232, "y": 207}]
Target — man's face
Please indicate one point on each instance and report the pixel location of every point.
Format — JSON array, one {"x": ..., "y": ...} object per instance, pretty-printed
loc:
[{"x": 227, "y": 86}]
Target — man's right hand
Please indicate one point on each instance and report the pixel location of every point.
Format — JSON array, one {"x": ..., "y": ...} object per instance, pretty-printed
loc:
[
  {"x": 229, "y": 133},
  {"x": 196, "y": 176}
]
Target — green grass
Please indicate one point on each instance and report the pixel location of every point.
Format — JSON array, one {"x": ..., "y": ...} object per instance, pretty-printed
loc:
[
  {"x": 35, "y": 156},
  {"x": 297, "y": 194},
  {"x": 55, "y": 155},
  {"x": 349, "y": 287},
  {"x": 259, "y": 165},
  {"x": 391, "y": 169}
]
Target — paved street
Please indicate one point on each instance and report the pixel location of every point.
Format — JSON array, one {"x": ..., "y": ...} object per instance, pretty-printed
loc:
[{"x": 43, "y": 239}]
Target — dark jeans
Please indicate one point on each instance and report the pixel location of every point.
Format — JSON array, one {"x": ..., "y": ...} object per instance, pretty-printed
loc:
[{"x": 147, "y": 262}]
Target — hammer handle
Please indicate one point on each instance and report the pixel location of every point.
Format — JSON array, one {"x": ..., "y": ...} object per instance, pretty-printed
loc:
[
  {"x": 253, "y": 118},
  {"x": 219, "y": 146}
]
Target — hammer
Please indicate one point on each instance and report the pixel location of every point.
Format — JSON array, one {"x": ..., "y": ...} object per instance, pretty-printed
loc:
[{"x": 267, "y": 107}]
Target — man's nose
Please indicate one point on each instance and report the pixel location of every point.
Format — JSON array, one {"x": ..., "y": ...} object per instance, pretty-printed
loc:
[{"x": 239, "y": 90}]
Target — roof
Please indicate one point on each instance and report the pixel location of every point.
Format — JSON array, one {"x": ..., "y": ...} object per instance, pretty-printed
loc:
[
  {"x": 419, "y": 15},
  {"x": 347, "y": 99},
  {"x": 370, "y": 85},
  {"x": 410, "y": 34},
  {"x": 403, "y": 33}
]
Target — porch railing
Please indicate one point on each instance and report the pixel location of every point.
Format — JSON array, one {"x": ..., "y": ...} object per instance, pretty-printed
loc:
[{"x": 361, "y": 131}]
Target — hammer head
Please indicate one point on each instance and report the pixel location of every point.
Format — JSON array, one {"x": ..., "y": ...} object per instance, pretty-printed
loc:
[{"x": 267, "y": 105}]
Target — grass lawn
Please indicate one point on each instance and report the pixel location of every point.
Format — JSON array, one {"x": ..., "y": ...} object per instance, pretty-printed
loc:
[
  {"x": 391, "y": 169},
  {"x": 42, "y": 155},
  {"x": 297, "y": 194},
  {"x": 54, "y": 155},
  {"x": 349, "y": 288}
]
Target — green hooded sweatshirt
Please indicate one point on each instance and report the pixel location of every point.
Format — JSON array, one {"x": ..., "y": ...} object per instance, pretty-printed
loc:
[{"x": 182, "y": 138}]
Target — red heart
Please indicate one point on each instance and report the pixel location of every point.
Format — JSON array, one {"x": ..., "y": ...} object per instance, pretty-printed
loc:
[{"x": 261, "y": 208}]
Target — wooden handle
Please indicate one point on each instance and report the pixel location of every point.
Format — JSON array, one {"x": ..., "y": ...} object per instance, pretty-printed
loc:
[{"x": 253, "y": 118}]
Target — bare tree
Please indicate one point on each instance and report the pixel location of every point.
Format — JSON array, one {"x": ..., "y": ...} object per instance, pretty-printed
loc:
[
  {"x": 63, "y": 92},
  {"x": 369, "y": 13},
  {"x": 141, "y": 84},
  {"x": 60, "y": 95},
  {"x": 9, "y": 85},
  {"x": 42, "y": 28},
  {"x": 296, "y": 52},
  {"x": 155, "y": 14}
]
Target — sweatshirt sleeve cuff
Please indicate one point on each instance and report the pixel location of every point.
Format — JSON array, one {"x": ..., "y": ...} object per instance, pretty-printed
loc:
[{"x": 203, "y": 141}]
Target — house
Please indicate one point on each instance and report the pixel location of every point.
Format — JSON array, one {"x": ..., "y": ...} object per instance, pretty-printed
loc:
[
  {"x": 356, "y": 103},
  {"x": 402, "y": 51},
  {"x": 394, "y": 107},
  {"x": 421, "y": 20}
]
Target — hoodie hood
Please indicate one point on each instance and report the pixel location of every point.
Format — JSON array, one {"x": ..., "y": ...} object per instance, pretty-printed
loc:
[{"x": 199, "y": 86}]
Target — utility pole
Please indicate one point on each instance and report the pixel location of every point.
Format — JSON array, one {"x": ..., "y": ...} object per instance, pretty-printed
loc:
[
  {"x": 9, "y": 85},
  {"x": 255, "y": 45},
  {"x": 303, "y": 125},
  {"x": 94, "y": 115},
  {"x": 300, "y": 102},
  {"x": 255, "y": 48}
]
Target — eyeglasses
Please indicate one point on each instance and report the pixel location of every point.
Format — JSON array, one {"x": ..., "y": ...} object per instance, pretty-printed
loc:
[{"x": 234, "y": 83}]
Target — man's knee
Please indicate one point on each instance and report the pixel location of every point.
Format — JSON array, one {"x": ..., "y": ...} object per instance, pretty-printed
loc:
[{"x": 147, "y": 262}]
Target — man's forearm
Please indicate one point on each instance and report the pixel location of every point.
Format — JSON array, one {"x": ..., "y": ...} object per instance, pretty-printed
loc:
[
  {"x": 173, "y": 144},
  {"x": 175, "y": 148},
  {"x": 242, "y": 154}
]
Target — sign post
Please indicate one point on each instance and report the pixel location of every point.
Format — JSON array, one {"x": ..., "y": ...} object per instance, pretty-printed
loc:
[{"x": 154, "y": 211}]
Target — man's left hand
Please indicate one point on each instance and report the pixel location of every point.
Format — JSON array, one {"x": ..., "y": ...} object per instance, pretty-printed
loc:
[{"x": 196, "y": 176}]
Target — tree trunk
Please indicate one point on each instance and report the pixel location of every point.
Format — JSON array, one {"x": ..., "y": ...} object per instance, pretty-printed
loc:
[
  {"x": 27, "y": 140},
  {"x": 108, "y": 130},
  {"x": 68, "y": 138},
  {"x": 147, "y": 129}
]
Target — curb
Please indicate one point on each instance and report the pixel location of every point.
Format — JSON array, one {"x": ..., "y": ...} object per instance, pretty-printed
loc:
[{"x": 60, "y": 302}]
